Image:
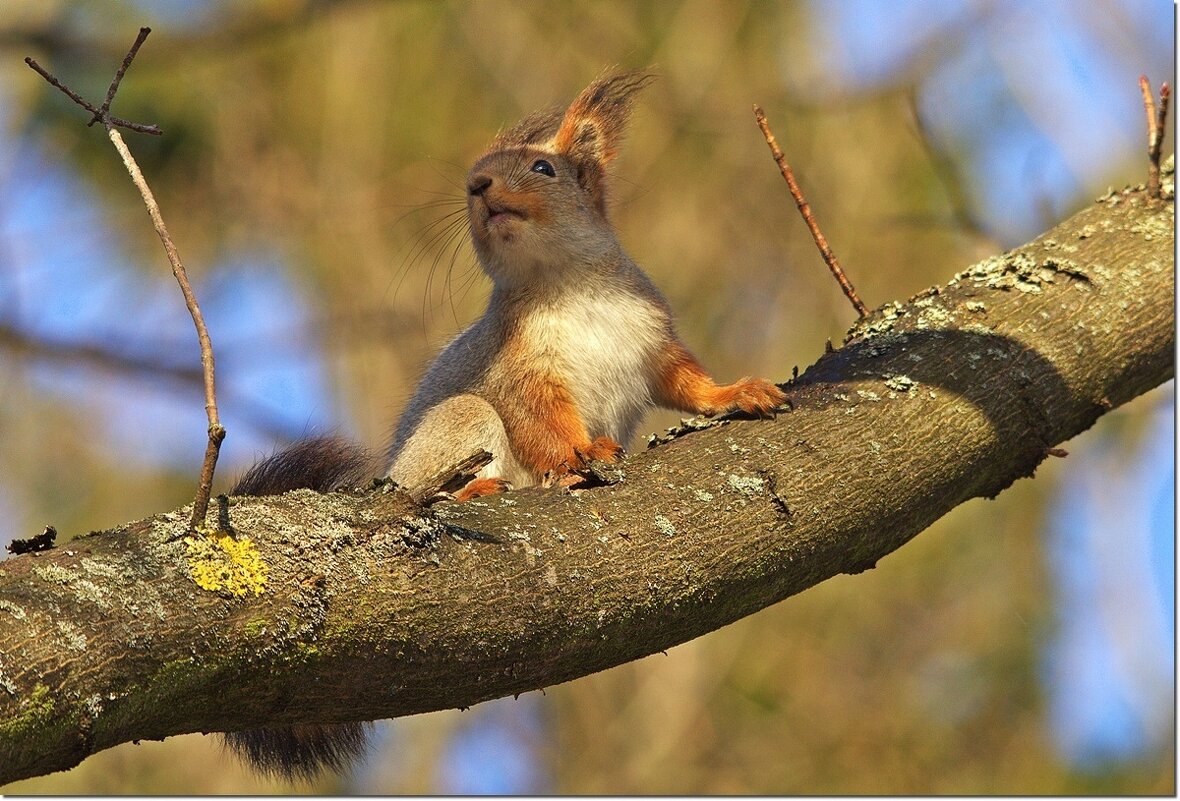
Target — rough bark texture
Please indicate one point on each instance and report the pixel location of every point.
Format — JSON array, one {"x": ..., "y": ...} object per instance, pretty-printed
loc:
[{"x": 373, "y": 607}]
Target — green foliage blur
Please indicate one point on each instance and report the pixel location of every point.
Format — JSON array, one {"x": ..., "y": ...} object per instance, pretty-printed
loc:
[{"x": 338, "y": 134}]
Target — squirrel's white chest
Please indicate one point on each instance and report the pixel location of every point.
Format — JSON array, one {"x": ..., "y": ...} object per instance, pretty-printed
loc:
[{"x": 602, "y": 347}]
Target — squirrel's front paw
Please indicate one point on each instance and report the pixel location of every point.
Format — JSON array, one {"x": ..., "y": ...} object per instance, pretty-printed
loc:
[
  {"x": 573, "y": 471},
  {"x": 752, "y": 396},
  {"x": 576, "y": 471}
]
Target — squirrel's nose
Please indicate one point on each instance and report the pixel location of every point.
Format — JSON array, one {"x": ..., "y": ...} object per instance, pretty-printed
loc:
[{"x": 478, "y": 184}]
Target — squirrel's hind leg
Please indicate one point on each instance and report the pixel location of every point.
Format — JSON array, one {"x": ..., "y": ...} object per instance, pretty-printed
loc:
[{"x": 451, "y": 430}]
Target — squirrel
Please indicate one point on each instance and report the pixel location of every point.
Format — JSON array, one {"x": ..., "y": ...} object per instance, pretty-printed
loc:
[{"x": 575, "y": 345}]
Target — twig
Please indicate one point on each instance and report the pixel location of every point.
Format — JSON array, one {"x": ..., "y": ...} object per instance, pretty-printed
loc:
[
  {"x": 104, "y": 110},
  {"x": 1156, "y": 122},
  {"x": 450, "y": 480},
  {"x": 805, "y": 210},
  {"x": 112, "y": 124},
  {"x": 154, "y": 130}
]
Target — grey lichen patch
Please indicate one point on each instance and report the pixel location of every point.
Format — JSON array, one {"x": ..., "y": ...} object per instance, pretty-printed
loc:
[
  {"x": 72, "y": 638},
  {"x": 748, "y": 486},
  {"x": 10, "y": 608},
  {"x": 1064, "y": 247},
  {"x": 934, "y": 317},
  {"x": 95, "y": 567},
  {"x": 880, "y": 322},
  {"x": 899, "y": 383},
  {"x": 979, "y": 328},
  {"x": 687, "y": 426},
  {"x": 93, "y": 705},
  {"x": 421, "y": 532},
  {"x": 1152, "y": 227},
  {"x": 6, "y": 684},
  {"x": 702, "y": 495},
  {"x": 83, "y": 589},
  {"x": 54, "y": 574},
  {"x": 665, "y": 526},
  {"x": 1020, "y": 271}
]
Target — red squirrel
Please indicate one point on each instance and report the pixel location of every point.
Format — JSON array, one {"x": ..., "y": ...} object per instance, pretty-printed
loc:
[{"x": 575, "y": 345}]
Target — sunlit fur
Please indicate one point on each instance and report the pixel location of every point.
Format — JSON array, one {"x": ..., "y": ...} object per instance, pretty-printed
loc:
[{"x": 576, "y": 343}]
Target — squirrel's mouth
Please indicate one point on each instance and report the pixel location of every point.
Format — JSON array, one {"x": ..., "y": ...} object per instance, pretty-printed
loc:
[{"x": 499, "y": 213}]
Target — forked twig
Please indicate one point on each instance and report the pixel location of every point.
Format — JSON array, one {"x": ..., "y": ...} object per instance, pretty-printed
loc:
[
  {"x": 1156, "y": 122},
  {"x": 808, "y": 217},
  {"x": 114, "y": 87},
  {"x": 154, "y": 130},
  {"x": 112, "y": 124}
]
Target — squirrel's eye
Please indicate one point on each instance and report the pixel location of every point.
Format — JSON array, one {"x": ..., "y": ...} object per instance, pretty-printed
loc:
[{"x": 544, "y": 167}]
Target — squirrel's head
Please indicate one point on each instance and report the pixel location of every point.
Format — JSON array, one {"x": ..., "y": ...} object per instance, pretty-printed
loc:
[{"x": 538, "y": 197}]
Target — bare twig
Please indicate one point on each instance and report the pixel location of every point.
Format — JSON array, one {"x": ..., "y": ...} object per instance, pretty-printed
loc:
[
  {"x": 1161, "y": 121},
  {"x": 104, "y": 110},
  {"x": 154, "y": 130},
  {"x": 445, "y": 483},
  {"x": 805, "y": 210},
  {"x": 102, "y": 114},
  {"x": 1156, "y": 122}
]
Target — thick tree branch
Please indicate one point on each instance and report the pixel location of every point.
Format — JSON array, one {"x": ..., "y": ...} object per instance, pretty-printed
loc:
[{"x": 370, "y": 606}]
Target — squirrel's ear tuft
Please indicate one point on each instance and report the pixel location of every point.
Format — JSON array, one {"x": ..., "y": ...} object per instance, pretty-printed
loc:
[
  {"x": 537, "y": 128},
  {"x": 593, "y": 125}
]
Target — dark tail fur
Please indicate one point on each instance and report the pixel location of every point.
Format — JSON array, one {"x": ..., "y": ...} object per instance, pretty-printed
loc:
[{"x": 303, "y": 751}]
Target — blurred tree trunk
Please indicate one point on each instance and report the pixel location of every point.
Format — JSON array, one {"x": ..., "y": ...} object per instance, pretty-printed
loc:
[{"x": 372, "y": 607}]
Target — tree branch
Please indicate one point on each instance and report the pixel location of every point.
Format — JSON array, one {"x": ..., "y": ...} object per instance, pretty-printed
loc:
[{"x": 365, "y": 605}]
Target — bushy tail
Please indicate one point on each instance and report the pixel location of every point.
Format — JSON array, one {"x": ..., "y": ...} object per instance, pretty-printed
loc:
[
  {"x": 324, "y": 464},
  {"x": 302, "y": 751}
]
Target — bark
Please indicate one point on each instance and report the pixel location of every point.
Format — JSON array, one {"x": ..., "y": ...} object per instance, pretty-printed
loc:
[{"x": 369, "y": 606}]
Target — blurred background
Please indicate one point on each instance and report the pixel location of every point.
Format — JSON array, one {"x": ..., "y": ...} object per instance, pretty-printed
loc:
[{"x": 312, "y": 163}]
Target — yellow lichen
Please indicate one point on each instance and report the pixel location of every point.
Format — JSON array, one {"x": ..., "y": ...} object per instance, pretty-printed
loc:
[{"x": 220, "y": 563}]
